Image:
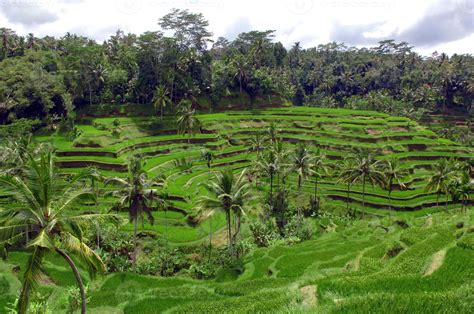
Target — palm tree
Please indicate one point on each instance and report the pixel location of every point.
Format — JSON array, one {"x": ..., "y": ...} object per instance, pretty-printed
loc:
[
  {"x": 272, "y": 132},
  {"x": 228, "y": 193},
  {"x": 43, "y": 199},
  {"x": 240, "y": 65},
  {"x": 345, "y": 175},
  {"x": 257, "y": 143},
  {"x": 439, "y": 180},
  {"x": 95, "y": 178},
  {"x": 187, "y": 121},
  {"x": 161, "y": 99},
  {"x": 320, "y": 168},
  {"x": 137, "y": 193},
  {"x": 208, "y": 156},
  {"x": 364, "y": 169},
  {"x": 460, "y": 187},
  {"x": 281, "y": 155},
  {"x": 268, "y": 164},
  {"x": 302, "y": 164},
  {"x": 393, "y": 175}
]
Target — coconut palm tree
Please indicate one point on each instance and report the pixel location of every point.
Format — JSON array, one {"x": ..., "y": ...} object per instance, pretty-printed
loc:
[
  {"x": 187, "y": 121},
  {"x": 281, "y": 155},
  {"x": 320, "y": 169},
  {"x": 268, "y": 165},
  {"x": 257, "y": 143},
  {"x": 393, "y": 174},
  {"x": 208, "y": 156},
  {"x": 137, "y": 193},
  {"x": 161, "y": 99},
  {"x": 345, "y": 175},
  {"x": 228, "y": 193},
  {"x": 302, "y": 165},
  {"x": 440, "y": 178},
  {"x": 240, "y": 66},
  {"x": 43, "y": 199},
  {"x": 460, "y": 187},
  {"x": 364, "y": 169},
  {"x": 273, "y": 132},
  {"x": 95, "y": 178}
]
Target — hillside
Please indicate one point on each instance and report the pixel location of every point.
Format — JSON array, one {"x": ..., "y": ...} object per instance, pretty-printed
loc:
[
  {"x": 416, "y": 257},
  {"x": 363, "y": 266}
]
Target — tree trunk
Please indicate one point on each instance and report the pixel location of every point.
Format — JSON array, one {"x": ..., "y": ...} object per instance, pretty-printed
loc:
[
  {"x": 240, "y": 83},
  {"x": 363, "y": 197},
  {"x": 166, "y": 225},
  {"x": 315, "y": 187},
  {"x": 134, "y": 257},
  {"x": 446, "y": 203},
  {"x": 299, "y": 194},
  {"x": 162, "y": 112},
  {"x": 271, "y": 188},
  {"x": 78, "y": 278},
  {"x": 90, "y": 93},
  {"x": 229, "y": 231},
  {"x": 390, "y": 195}
]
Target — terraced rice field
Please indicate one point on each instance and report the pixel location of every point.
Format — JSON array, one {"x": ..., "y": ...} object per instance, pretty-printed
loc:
[
  {"x": 335, "y": 132},
  {"x": 358, "y": 267}
]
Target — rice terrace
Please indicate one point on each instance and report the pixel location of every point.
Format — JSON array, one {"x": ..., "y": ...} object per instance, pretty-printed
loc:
[{"x": 167, "y": 173}]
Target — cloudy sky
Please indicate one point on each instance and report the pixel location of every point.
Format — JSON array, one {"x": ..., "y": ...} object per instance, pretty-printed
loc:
[{"x": 429, "y": 25}]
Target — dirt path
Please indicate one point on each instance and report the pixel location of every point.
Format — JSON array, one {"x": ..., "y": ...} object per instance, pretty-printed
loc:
[
  {"x": 436, "y": 262},
  {"x": 309, "y": 296}
]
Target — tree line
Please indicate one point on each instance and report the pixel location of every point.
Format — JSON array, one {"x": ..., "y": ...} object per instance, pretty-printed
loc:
[{"x": 50, "y": 77}]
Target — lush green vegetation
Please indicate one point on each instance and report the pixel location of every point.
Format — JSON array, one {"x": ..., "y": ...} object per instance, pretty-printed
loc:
[
  {"x": 156, "y": 174},
  {"x": 291, "y": 220}
]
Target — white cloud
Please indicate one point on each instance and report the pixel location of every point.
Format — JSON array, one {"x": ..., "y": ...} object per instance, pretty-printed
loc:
[{"x": 312, "y": 22}]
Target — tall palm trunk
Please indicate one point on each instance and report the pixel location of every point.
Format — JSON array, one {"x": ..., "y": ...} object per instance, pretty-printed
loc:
[
  {"x": 363, "y": 196},
  {"x": 446, "y": 203},
  {"x": 210, "y": 216},
  {"x": 161, "y": 112},
  {"x": 90, "y": 93},
  {"x": 229, "y": 231},
  {"x": 315, "y": 187},
  {"x": 390, "y": 194},
  {"x": 299, "y": 194},
  {"x": 78, "y": 279},
  {"x": 134, "y": 257},
  {"x": 240, "y": 83},
  {"x": 271, "y": 188},
  {"x": 166, "y": 225}
]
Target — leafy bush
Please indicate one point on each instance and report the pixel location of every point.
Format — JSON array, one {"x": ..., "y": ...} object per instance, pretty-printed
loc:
[
  {"x": 263, "y": 233},
  {"x": 299, "y": 228},
  {"x": 467, "y": 241}
]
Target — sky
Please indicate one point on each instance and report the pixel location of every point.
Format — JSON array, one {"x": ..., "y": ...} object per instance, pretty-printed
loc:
[{"x": 429, "y": 25}]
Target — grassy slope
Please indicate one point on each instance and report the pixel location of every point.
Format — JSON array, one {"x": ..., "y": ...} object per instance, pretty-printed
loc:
[{"x": 348, "y": 268}]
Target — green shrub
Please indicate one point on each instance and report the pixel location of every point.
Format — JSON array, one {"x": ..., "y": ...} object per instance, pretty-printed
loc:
[
  {"x": 299, "y": 228},
  {"x": 467, "y": 241},
  {"x": 263, "y": 233}
]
